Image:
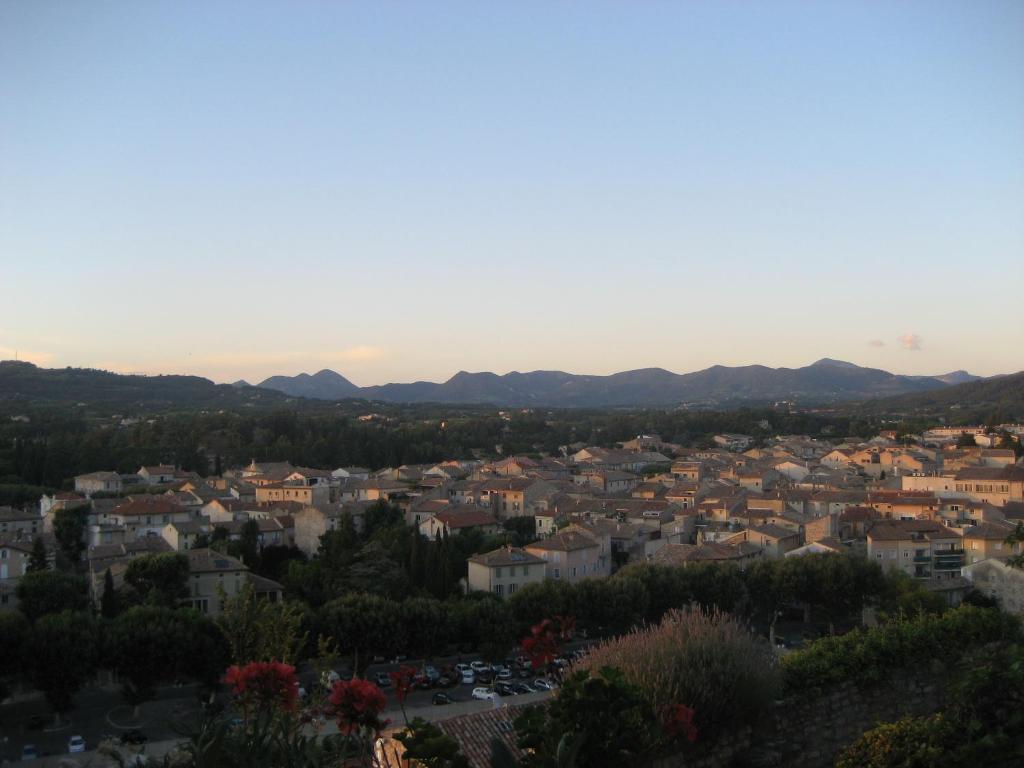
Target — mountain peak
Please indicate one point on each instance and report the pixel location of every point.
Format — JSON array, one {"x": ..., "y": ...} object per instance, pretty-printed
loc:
[{"x": 832, "y": 363}]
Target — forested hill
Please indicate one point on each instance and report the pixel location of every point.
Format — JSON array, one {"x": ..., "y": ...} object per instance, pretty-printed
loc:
[
  {"x": 998, "y": 397},
  {"x": 24, "y": 384}
]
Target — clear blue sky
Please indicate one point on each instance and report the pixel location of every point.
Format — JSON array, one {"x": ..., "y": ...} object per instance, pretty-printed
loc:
[{"x": 404, "y": 190}]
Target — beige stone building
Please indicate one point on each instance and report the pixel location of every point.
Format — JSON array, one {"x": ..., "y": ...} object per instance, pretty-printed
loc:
[
  {"x": 988, "y": 541},
  {"x": 211, "y": 571},
  {"x": 921, "y": 548},
  {"x": 503, "y": 571},
  {"x": 573, "y": 555}
]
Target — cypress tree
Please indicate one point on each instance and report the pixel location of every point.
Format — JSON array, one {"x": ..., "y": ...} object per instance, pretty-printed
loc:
[
  {"x": 110, "y": 603},
  {"x": 37, "y": 560}
]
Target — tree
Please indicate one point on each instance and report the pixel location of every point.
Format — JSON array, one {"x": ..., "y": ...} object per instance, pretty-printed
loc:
[
  {"x": 364, "y": 625},
  {"x": 1016, "y": 539},
  {"x": 41, "y": 593},
  {"x": 110, "y": 601},
  {"x": 150, "y": 645},
  {"x": 428, "y": 746},
  {"x": 69, "y": 530},
  {"x": 260, "y": 630},
  {"x": 14, "y": 631},
  {"x": 159, "y": 579},
  {"x": 596, "y": 719},
  {"x": 64, "y": 651},
  {"x": 38, "y": 560},
  {"x": 966, "y": 441}
]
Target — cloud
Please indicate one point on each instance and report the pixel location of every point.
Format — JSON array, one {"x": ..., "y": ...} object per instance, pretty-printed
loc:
[
  {"x": 876, "y": 343},
  {"x": 911, "y": 342}
]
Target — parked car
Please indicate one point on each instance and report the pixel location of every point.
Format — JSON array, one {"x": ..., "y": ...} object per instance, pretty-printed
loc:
[
  {"x": 76, "y": 744},
  {"x": 504, "y": 689},
  {"x": 29, "y": 752},
  {"x": 505, "y": 674},
  {"x": 462, "y": 667},
  {"x": 431, "y": 673},
  {"x": 523, "y": 688},
  {"x": 444, "y": 681},
  {"x": 134, "y": 736},
  {"x": 468, "y": 677},
  {"x": 480, "y": 666},
  {"x": 543, "y": 684},
  {"x": 442, "y": 698},
  {"x": 483, "y": 694},
  {"x": 383, "y": 680},
  {"x": 422, "y": 682},
  {"x": 485, "y": 676}
]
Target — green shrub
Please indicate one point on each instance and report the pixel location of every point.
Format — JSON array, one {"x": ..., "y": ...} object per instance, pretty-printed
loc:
[
  {"x": 869, "y": 656},
  {"x": 707, "y": 661},
  {"x": 914, "y": 742}
]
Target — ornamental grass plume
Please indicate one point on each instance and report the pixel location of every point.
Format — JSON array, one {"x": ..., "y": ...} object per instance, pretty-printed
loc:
[{"x": 709, "y": 663}]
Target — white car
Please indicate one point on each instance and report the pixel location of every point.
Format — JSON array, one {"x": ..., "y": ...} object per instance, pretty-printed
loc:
[
  {"x": 484, "y": 694},
  {"x": 505, "y": 674},
  {"x": 76, "y": 744},
  {"x": 543, "y": 684},
  {"x": 462, "y": 667},
  {"x": 480, "y": 666},
  {"x": 468, "y": 677}
]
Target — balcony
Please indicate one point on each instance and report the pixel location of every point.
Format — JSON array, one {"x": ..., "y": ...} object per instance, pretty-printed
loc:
[{"x": 922, "y": 558}]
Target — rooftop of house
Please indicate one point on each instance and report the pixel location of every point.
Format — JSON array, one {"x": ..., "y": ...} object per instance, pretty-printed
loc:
[
  {"x": 906, "y": 530},
  {"x": 506, "y": 556},
  {"x": 564, "y": 541},
  {"x": 210, "y": 561}
]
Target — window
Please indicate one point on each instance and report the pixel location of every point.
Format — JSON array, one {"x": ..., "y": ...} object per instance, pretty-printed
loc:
[
  {"x": 497, "y": 573},
  {"x": 558, "y": 573},
  {"x": 511, "y": 588},
  {"x": 499, "y": 590},
  {"x": 574, "y": 572},
  {"x": 512, "y": 570}
]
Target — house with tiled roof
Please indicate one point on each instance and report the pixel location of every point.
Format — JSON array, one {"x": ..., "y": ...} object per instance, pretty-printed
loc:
[
  {"x": 988, "y": 540},
  {"x": 924, "y": 549},
  {"x": 573, "y": 554},
  {"x": 15, "y": 554},
  {"x": 211, "y": 571},
  {"x": 98, "y": 482},
  {"x": 504, "y": 570},
  {"x": 458, "y": 518},
  {"x": 475, "y": 732}
]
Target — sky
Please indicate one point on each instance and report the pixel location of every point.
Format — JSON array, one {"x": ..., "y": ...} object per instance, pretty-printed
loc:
[{"x": 400, "y": 191}]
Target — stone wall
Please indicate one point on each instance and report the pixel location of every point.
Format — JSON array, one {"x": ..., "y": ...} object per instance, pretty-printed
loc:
[{"x": 809, "y": 731}]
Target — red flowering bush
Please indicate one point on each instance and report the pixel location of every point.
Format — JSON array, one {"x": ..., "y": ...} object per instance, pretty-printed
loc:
[
  {"x": 403, "y": 681},
  {"x": 264, "y": 683},
  {"x": 543, "y": 644},
  {"x": 677, "y": 721},
  {"x": 357, "y": 705}
]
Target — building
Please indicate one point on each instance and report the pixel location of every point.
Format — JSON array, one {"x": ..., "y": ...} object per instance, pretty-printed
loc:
[
  {"x": 98, "y": 482},
  {"x": 504, "y": 570},
  {"x": 988, "y": 541},
  {"x": 157, "y": 475},
  {"x": 573, "y": 555},
  {"x": 18, "y": 523},
  {"x": 214, "y": 576},
  {"x": 14, "y": 558},
  {"x": 923, "y": 549},
  {"x": 457, "y": 519}
]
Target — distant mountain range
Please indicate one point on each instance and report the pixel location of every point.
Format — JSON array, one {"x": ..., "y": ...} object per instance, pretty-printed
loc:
[
  {"x": 826, "y": 381},
  {"x": 823, "y": 381}
]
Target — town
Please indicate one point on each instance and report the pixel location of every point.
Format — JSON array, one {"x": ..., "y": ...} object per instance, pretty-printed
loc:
[{"x": 943, "y": 509}]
